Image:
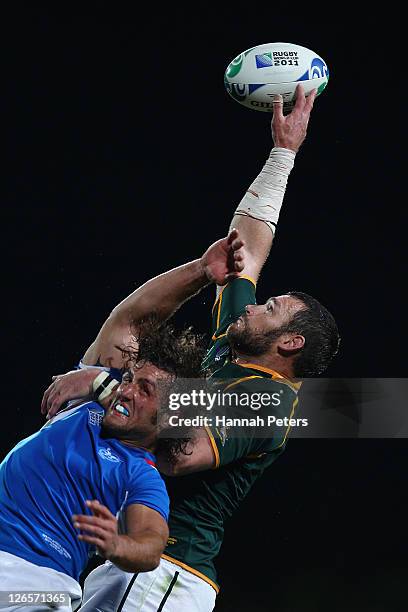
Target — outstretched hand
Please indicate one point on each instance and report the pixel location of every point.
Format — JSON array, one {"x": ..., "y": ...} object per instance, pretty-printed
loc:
[
  {"x": 224, "y": 260},
  {"x": 289, "y": 131}
]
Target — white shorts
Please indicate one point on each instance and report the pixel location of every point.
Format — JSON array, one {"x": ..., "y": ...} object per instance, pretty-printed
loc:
[
  {"x": 17, "y": 574},
  {"x": 169, "y": 588}
]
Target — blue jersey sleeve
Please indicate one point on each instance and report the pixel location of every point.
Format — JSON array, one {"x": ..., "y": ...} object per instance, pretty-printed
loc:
[{"x": 148, "y": 489}]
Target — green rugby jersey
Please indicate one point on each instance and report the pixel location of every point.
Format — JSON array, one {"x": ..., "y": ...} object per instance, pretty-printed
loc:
[{"x": 201, "y": 502}]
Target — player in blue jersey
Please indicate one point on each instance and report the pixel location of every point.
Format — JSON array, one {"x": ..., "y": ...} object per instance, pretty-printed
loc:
[{"x": 62, "y": 489}]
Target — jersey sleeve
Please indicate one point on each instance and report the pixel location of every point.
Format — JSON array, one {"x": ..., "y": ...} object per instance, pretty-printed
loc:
[
  {"x": 259, "y": 425},
  {"x": 229, "y": 305},
  {"x": 148, "y": 489},
  {"x": 230, "y": 449}
]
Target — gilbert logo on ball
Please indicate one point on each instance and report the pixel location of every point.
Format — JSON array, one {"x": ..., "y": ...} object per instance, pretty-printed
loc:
[{"x": 255, "y": 75}]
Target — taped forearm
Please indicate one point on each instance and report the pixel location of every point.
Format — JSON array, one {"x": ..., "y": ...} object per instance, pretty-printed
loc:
[{"x": 264, "y": 198}]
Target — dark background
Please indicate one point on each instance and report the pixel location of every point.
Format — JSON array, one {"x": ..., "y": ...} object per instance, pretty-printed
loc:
[{"x": 126, "y": 157}]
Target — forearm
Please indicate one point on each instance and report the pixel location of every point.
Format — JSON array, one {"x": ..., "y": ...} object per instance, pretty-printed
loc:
[
  {"x": 197, "y": 456},
  {"x": 258, "y": 239},
  {"x": 163, "y": 294},
  {"x": 258, "y": 212},
  {"x": 141, "y": 555},
  {"x": 262, "y": 202}
]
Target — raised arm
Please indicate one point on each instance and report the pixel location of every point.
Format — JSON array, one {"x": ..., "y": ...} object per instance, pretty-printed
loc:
[
  {"x": 222, "y": 261},
  {"x": 256, "y": 218},
  {"x": 163, "y": 295},
  {"x": 257, "y": 214}
]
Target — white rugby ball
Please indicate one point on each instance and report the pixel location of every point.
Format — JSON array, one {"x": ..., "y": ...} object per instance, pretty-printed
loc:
[{"x": 255, "y": 75}]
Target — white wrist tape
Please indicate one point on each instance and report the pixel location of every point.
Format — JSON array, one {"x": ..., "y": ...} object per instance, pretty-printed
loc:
[
  {"x": 264, "y": 198},
  {"x": 103, "y": 385}
]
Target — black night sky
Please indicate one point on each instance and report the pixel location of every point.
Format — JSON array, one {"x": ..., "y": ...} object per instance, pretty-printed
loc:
[{"x": 126, "y": 157}]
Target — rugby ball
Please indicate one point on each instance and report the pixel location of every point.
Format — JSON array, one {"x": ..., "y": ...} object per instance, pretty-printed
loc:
[{"x": 255, "y": 75}]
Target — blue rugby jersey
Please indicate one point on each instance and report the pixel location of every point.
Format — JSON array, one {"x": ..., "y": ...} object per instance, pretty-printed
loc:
[{"x": 47, "y": 477}]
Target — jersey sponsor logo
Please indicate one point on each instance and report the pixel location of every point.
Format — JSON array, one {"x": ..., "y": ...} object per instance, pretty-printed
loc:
[
  {"x": 106, "y": 453},
  {"x": 95, "y": 418},
  {"x": 56, "y": 546}
]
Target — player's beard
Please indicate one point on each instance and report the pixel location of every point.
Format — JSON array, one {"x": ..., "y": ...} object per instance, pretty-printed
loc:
[{"x": 248, "y": 342}]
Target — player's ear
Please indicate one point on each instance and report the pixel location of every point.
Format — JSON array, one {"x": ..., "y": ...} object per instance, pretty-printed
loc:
[{"x": 291, "y": 343}]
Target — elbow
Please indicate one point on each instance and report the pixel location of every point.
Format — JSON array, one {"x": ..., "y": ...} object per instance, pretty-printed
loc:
[
  {"x": 134, "y": 310},
  {"x": 148, "y": 564},
  {"x": 119, "y": 315},
  {"x": 152, "y": 563},
  {"x": 150, "y": 560}
]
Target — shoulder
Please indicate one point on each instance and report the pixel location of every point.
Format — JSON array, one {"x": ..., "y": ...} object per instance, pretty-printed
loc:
[
  {"x": 265, "y": 394},
  {"x": 253, "y": 381},
  {"x": 78, "y": 411},
  {"x": 143, "y": 464}
]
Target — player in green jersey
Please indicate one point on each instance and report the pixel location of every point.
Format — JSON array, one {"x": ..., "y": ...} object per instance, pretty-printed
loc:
[
  {"x": 254, "y": 353},
  {"x": 255, "y": 349}
]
